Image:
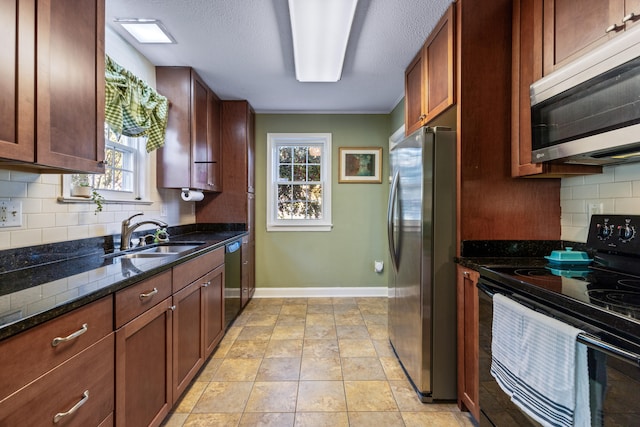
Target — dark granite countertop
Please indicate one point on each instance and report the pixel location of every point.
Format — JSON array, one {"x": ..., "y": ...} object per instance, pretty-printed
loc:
[
  {"x": 42, "y": 282},
  {"x": 510, "y": 253}
]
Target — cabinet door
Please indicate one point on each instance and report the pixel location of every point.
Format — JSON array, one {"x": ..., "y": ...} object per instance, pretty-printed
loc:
[
  {"x": 199, "y": 124},
  {"x": 143, "y": 368},
  {"x": 413, "y": 90},
  {"x": 527, "y": 68},
  {"x": 213, "y": 309},
  {"x": 188, "y": 336},
  {"x": 571, "y": 29},
  {"x": 439, "y": 72},
  {"x": 468, "y": 368},
  {"x": 631, "y": 13},
  {"x": 248, "y": 270},
  {"x": 17, "y": 113},
  {"x": 70, "y": 84},
  {"x": 214, "y": 157}
]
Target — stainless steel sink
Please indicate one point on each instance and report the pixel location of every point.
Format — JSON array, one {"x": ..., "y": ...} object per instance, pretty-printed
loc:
[{"x": 158, "y": 251}]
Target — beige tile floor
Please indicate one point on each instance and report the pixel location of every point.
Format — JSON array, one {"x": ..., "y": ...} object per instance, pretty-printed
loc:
[{"x": 303, "y": 362}]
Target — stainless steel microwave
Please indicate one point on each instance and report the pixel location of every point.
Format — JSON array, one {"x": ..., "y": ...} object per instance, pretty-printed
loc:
[{"x": 588, "y": 112}]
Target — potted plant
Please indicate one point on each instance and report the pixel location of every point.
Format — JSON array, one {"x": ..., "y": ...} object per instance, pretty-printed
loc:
[
  {"x": 80, "y": 185},
  {"x": 98, "y": 199}
]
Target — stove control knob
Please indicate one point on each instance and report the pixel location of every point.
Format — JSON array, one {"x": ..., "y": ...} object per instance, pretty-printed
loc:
[
  {"x": 626, "y": 232},
  {"x": 604, "y": 230}
]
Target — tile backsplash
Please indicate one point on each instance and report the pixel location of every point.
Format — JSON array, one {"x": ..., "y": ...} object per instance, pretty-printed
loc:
[
  {"x": 615, "y": 191},
  {"x": 47, "y": 220}
]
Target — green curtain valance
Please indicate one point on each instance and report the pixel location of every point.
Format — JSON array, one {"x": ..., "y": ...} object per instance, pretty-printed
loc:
[{"x": 132, "y": 107}]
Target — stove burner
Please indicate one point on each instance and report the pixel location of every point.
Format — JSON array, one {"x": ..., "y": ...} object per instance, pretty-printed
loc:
[
  {"x": 626, "y": 302},
  {"x": 533, "y": 272}
]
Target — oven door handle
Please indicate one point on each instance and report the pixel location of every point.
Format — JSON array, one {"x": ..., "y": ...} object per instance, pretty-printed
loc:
[
  {"x": 612, "y": 350},
  {"x": 583, "y": 338}
]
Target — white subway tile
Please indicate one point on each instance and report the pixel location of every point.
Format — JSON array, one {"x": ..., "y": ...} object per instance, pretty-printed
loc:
[
  {"x": 628, "y": 172},
  {"x": 22, "y": 176},
  {"x": 13, "y": 189},
  {"x": 615, "y": 190},
  {"x": 66, "y": 219},
  {"x": 5, "y": 175},
  {"x": 53, "y": 179},
  {"x": 43, "y": 220},
  {"x": 41, "y": 191},
  {"x": 22, "y": 238},
  {"x": 31, "y": 206},
  {"x": 572, "y": 181},
  {"x": 78, "y": 232},
  {"x": 55, "y": 234},
  {"x": 585, "y": 191},
  {"x": 630, "y": 206},
  {"x": 572, "y": 206},
  {"x": 566, "y": 193},
  {"x": 574, "y": 234}
]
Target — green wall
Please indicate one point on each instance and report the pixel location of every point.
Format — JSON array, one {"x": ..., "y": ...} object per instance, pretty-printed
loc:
[
  {"x": 397, "y": 116},
  {"x": 344, "y": 256}
]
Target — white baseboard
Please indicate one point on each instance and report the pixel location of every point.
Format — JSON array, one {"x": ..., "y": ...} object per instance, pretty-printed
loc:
[{"x": 377, "y": 291}]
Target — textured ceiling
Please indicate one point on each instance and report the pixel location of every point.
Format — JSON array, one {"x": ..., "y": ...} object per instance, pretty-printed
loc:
[{"x": 243, "y": 50}]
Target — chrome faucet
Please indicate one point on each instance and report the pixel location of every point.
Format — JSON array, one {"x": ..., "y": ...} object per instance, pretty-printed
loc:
[{"x": 127, "y": 229}]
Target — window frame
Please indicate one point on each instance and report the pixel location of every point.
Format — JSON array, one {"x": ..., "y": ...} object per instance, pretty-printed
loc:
[
  {"x": 141, "y": 167},
  {"x": 276, "y": 140}
]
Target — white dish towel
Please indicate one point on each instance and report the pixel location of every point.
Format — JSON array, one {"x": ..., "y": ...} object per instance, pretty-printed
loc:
[{"x": 537, "y": 361}]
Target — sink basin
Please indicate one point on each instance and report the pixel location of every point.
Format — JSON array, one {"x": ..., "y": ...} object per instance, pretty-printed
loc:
[{"x": 158, "y": 251}]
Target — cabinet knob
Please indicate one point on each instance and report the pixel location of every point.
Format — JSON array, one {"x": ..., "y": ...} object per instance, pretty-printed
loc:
[
  {"x": 172, "y": 307},
  {"x": 466, "y": 274},
  {"x": 206, "y": 284}
]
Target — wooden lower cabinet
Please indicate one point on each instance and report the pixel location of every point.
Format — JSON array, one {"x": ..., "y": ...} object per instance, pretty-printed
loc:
[
  {"x": 247, "y": 273},
  {"x": 78, "y": 392},
  {"x": 143, "y": 367},
  {"x": 188, "y": 335},
  {"x": 468, "y": 379}
]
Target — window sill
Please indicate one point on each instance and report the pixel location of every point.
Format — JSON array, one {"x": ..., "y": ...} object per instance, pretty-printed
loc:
[
  {"x": 327, "y": 227},
  {"x": 105, "y": 201}
]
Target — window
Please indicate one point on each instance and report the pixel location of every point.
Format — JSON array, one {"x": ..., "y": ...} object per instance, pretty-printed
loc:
[
  {"x": 299, "y": 177},
  {"x": 124, "y": 180}
]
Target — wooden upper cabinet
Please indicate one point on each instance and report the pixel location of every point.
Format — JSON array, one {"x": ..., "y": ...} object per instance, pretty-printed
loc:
[
  {"x": 17, "y": 80},
  {"x": 58, "y": 48},
  {"x": 238, "y": 147},
  {"x": 527, "y": 67},
  {"x": 571, "y": 29},
  {"x": 430, "y": 77},
  {"x": 188, "y": 158}
]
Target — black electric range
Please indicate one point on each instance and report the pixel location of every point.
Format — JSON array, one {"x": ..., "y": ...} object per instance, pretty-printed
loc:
[{"x": 602, "y": 298}]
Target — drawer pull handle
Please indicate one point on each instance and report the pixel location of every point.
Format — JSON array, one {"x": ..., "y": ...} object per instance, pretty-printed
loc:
[
  {"x": 149, "y": 294},
  {"x": 630, "y": 17},
  {"x": 61, "y": 415},
  {"x": 76, "y": 334},
  {"x": 612, "y": 27},
  {"x": 206, "y": 284}
]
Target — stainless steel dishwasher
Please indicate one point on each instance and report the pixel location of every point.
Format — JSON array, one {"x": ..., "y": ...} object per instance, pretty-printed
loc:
[{"x": 232, "y": 280}]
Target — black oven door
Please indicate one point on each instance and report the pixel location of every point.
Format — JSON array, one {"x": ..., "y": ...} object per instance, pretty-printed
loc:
[{"x": 614, "y": 383}]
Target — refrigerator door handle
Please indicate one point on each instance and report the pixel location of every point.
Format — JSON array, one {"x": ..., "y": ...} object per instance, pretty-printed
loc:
[{"x": 393, "y": 195}]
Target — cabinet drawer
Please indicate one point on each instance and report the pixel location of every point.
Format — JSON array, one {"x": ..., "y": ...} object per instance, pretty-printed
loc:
[
  {"x": 136, "y": 299},
  {"x": 190, "y": 271},
  {"x": 28, "y": 355},
  {"x": 82, "y": 387}
]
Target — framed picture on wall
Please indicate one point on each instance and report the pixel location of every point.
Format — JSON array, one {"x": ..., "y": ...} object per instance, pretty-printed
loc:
[{"x": 360, "y": 165}]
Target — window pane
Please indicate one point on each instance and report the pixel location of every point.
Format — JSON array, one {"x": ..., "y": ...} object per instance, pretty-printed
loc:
[
  {"x": 285, "y": 154},
  {"x": 315, "y": 210},
  {"x": 285, "y": 210},
  {"x": 299, "y": 173},
  {"x": 284, "y": 173},
  {"x": 300, "y": 154},
  {"x": 284, "y": 192},
  {"x": 315, "y": 154},
  {"x": 299, "y": 192},
  {"x": 314, "y": 172}
]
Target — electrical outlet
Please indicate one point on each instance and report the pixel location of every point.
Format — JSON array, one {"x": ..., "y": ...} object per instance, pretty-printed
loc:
[
  {"x": 595, "y": 208},
  {"x": 10, "y": 214},
  {"x": 163, "y": 209}
]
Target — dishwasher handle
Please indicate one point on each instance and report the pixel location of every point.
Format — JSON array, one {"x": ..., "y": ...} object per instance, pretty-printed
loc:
[{"x": 233, "y": 247}]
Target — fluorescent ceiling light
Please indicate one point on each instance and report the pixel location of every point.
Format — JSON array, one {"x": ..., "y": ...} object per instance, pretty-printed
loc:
[
  {"x": 146, "y": 30},
  {"x": 320, "y": 30}
]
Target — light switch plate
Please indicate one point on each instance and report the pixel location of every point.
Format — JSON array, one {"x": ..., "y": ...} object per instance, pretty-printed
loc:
[{"x": 10, "y": 214}]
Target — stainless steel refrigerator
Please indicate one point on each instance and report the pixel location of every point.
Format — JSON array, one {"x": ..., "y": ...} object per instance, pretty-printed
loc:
[{"x": 422, "y": 237}]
